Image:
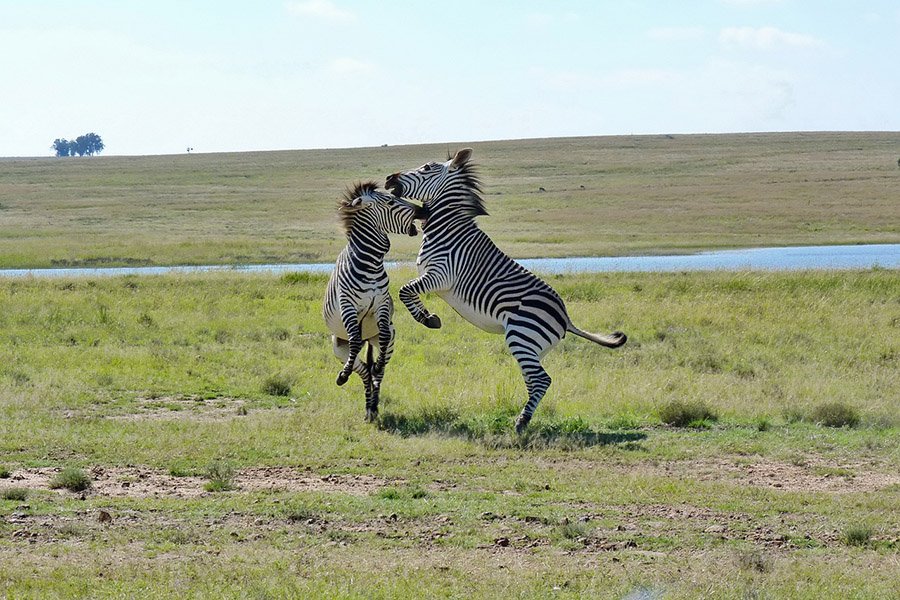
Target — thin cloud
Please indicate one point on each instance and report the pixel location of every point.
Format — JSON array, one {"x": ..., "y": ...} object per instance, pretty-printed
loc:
[
  {"x": 322, "y": 9},
  {"x": 676, "y": 34},
  {"x": 766, "y": 38},
  {"x": 347, "y": 67},
  {"x": 750, "y": 2}
]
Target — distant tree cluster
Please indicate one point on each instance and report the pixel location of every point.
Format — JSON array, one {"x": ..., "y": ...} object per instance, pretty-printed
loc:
[{"x": 87, "y": 144}]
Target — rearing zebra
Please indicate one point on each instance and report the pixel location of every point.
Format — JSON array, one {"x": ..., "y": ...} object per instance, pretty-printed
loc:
[
  {"x": 461, "y": 264},
  {"x": 358, "y": 307}
]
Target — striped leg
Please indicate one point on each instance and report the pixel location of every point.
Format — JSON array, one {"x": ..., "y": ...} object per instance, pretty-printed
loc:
[
  {"x": 383, "y": 314},
  {"x": 371, "y": 386},
  {"x": 528, "y": 354},
  {"x": 364, "y": 370},
  {"x": 354, "y": 333},
  {"x": 409, "y": 295}
]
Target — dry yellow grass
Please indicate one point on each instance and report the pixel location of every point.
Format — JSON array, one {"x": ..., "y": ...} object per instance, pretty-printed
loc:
[{"x": 602, "y": 196}]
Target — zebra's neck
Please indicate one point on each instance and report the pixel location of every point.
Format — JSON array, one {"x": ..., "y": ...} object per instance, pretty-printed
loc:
[
  {"x": 454, "y": 207},
  {"x": 369, "y": 244}
]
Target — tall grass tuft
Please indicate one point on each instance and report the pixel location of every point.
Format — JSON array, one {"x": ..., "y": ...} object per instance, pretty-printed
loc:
[
  {"x": 19, "y": 494},
  {"x": 72, "y": 479},
  {"x": 277, "y": 385},
  {"x": 687, "y": 414},
  {"x": 857, "y": 535},
  {"x": 835, "y": 414},
  {"x": 220, "y": 476}
]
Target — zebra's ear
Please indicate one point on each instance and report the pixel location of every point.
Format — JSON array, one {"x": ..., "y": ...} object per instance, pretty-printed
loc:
[{"x": 461, "y": 158}]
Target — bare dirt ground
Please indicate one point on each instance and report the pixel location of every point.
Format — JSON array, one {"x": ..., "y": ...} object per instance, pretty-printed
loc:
[
  {"x": 598, "y": 528},
  {"x": 139, "y": 482},
  {"x": 810, "y": 475}
]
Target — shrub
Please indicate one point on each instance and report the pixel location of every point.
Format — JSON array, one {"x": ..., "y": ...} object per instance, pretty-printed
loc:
[
  {"x": 835, "y": 414},
  {"x": 687, "y": 414},
  {"x": 277, "y": 385},
  {"x": 221, "y": 477},
  {"x": 15, "y": 493},
  {"x": 5, "y": 473},
  {"x": 72, "y": 479}
]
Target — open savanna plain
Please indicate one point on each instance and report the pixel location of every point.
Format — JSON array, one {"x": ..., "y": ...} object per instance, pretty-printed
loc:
[
  {"x": 181, "y": 436},
  {"x": 590, "y": 196},
  {"x": 224, "y": 462}
]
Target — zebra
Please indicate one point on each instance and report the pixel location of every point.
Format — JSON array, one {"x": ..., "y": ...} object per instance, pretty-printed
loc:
[
  {"x": 463, "y": 266},
  {"x": 358, "y": 307}
]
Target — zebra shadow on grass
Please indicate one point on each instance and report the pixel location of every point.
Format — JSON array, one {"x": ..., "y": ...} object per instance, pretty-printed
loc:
[{"x": 496, "y": 430}]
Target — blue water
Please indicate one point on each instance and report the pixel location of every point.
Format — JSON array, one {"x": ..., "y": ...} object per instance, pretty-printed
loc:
[{"x": 886, "y": 256}]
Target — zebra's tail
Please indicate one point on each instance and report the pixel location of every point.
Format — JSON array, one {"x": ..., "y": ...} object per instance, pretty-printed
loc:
[{"x": 613, "y": 340}]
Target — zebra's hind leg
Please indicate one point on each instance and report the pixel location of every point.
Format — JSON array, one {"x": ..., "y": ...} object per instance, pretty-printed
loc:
[
  {"x": 373, "y": 385},
  {"x": 537, "y": 380}
]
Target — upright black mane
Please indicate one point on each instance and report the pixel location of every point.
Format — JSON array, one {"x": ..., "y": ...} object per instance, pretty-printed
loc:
[
  {"x": 346, "y": 209},
  {"x": 473, "y": 205}
]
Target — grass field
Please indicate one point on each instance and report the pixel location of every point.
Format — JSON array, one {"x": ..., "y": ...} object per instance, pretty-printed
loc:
[
  {"x": 224, "y": 462},
  {"x": 601, "y": 196}
]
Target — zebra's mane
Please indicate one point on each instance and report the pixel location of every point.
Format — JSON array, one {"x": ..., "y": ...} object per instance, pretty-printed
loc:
[
  {"x": 473, "y": 203},
  {"x": 347, "y": 210}
]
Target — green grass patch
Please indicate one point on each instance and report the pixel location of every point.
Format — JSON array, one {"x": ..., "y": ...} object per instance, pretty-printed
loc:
[{"x": 441, "y": 497}]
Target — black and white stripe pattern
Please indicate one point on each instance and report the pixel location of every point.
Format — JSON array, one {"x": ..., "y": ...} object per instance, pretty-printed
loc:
[
  {"x": 358, "y": 307},
  {"x": 461, "y": 264}
]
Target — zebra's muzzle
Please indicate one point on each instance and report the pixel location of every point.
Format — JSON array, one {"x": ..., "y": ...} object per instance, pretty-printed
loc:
[{"x": 393, "y": 185}]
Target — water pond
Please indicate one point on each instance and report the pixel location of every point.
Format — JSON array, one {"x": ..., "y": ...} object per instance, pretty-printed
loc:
[{"x": 868, "y": 256}]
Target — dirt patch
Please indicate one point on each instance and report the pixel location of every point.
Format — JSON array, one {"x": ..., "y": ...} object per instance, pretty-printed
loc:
[
  {"x": 806, "y": 476},
  {"x": 195, "y": 408},
  {"x": 138, "y": 482}
]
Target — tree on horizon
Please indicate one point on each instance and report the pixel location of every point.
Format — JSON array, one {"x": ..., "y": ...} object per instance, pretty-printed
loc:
[{"x": 87, "y": 144}]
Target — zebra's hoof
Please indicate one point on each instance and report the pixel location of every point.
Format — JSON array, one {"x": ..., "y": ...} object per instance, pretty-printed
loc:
[
  {"x": 433, "y": 322},
  {"x": 342, "y": 378},
  {"x": 522, "y": 424},
  {"x": 371, "y": 415}
]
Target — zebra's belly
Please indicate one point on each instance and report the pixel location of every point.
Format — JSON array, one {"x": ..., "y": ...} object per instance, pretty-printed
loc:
[
  {"x": 468, "y": 312},
  {"x": 366, "y": 316}
]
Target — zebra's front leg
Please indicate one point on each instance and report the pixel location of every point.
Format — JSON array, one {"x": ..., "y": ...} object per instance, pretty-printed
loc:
[
  {"x": 354, "y": 337},
  {"x": 364, "y": 370},
  {"x": 410, "y": 296},
  {"x": 537, "y": 380}
]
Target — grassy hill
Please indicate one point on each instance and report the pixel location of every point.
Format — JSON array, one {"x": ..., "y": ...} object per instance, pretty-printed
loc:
[{"x": 548, "y": 197}]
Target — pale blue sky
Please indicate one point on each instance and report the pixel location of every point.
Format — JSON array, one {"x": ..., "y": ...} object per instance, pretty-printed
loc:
[{"x": 155, "y": 77}]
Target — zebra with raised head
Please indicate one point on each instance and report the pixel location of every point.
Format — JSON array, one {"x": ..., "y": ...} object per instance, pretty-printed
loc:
[
  {"x": 358, "y": 307},
  {"x": 461, "y": 264}
]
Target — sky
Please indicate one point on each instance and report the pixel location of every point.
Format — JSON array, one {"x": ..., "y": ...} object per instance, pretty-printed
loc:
[{"x": 160, "y": 76}]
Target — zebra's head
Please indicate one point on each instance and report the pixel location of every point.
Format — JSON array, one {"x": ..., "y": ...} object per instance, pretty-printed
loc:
[
  {"x": 366, "y": 204},
  {"x": 453, "y": 181}
]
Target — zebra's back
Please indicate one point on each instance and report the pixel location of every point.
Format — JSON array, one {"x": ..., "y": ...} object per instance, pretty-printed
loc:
[{"x": 488, "y": 289}]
